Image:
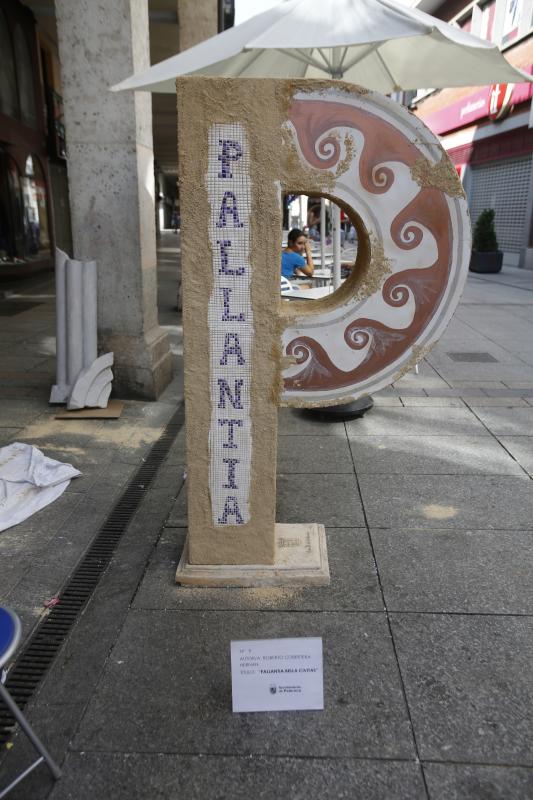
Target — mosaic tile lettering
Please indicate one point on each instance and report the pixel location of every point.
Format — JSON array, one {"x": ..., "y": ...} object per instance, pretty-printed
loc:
[{"x": 230, "y": 323}]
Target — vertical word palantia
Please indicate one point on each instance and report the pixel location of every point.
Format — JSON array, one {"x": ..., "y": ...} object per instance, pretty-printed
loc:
[{"x": 230, "y": 323}]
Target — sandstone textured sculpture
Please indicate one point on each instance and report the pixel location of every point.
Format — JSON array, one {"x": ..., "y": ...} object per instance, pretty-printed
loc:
[{"x": 242, "y": 144}]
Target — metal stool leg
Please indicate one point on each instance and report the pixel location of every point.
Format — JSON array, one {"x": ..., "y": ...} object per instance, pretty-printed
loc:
[{"x": 34, "y": 739}]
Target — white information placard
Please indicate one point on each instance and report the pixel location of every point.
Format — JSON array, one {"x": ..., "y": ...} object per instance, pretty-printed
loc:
[{"x": 277, "y": 675}]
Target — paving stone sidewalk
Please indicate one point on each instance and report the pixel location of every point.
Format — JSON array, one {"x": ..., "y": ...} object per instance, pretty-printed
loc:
[{"x": 427, "y": 625}]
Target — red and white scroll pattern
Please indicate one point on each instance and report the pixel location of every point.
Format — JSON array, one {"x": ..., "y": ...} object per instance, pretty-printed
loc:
[{"x": 423, "y": 232}]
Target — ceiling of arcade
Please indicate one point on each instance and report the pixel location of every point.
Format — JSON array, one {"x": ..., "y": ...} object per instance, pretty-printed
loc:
[{"x": 163, "y": 44}]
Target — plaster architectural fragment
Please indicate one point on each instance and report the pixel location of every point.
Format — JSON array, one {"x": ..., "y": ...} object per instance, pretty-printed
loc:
[
  {"x": 93, "y": 385},
  {"x": 76, "y": 325}
]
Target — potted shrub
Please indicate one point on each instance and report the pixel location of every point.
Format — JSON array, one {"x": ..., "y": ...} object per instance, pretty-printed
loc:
[{"x": 485, "y": 254}]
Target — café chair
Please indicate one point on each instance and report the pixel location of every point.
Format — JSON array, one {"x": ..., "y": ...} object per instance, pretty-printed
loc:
[{"x": 10, "y": 633}]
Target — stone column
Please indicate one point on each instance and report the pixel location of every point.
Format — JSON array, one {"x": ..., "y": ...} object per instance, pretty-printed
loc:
[
  {"x": 197, "y": 20},
  {"x": 111, "y": 182}
]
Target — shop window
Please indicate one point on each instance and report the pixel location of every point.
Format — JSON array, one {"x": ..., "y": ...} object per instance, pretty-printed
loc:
[
  {"x": 8, "y": 82},
  {"x": 486, "y": 30},
  {"x": 25, "y": 77},
  {"x": 24, "y": 231},
  {"x": 36, "y": 235},
  {"x": 511, "y": 21},
  {"x": 466, "y": 24},
  {"x": 503, "y": 22},
  {"x": 11, "y": 210}
]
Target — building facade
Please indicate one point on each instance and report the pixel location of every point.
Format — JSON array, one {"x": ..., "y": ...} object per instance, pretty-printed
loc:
[
  {"x": 32, "y": 152},
  {"x": 487, "y": 131}
]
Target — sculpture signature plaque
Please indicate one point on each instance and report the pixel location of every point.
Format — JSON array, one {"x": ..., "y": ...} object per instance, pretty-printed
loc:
[{"x": 242, "y": 144}]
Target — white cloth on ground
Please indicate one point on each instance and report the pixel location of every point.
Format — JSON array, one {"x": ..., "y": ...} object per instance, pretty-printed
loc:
[{"x": 29, "y": 481}]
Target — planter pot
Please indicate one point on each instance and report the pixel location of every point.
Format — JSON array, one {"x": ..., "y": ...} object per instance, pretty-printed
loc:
[{"x": 486, "y": 262}]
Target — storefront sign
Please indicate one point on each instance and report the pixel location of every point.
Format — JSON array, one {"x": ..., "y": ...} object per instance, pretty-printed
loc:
[
  {"x": 478, "y": 106},
  {"x": 500, "y": 100}
]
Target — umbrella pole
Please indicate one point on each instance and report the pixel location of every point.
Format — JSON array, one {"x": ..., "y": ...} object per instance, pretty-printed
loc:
[
  {"x": 322, "y": 233},
  {"x": 336, "y": 235},
  {"x": 337, "y": 72}
]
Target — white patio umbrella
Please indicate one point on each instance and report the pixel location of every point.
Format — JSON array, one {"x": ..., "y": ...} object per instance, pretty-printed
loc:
[{"x": 379, "y": 44}]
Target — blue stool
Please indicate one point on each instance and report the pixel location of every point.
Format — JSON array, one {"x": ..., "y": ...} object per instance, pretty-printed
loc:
[{"x": 10, "y": 631}]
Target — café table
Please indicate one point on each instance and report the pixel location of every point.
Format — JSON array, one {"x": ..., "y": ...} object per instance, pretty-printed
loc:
[{"x": 315, "y": 293}]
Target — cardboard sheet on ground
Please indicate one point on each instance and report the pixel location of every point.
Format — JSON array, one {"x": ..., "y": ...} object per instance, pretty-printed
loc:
[
  {"x": 113, "y": 411},
  {"x": 277, "y": 675},
  {"x": 29, "y": 481}
]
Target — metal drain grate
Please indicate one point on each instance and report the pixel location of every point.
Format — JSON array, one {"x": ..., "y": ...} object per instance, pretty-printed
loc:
[
  {"x": 43, "y": 645},
  {"x": 473, "y": 358}
]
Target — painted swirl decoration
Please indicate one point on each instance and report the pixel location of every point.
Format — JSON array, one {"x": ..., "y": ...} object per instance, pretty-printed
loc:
[
  {"x": 422, "y": 229},
  {"x": 328, "y": 150}
]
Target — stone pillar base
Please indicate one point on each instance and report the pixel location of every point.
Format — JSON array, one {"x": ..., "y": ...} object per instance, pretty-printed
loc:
[
  {"x": 301, "y": 560},
  {"x": 143, "y": 363}
]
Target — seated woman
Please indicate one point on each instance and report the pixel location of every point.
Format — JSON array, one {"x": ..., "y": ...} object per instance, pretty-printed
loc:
[{"x": 293, "y": 262}]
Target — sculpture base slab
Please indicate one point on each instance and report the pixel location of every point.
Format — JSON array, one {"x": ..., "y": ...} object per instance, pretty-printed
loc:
[{"x": 301, "y": 560}]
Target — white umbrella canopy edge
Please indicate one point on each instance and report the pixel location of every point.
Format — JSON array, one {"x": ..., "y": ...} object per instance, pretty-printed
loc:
[
  {"x": 217, "y": 50},
  {"x": 354, "y": 22},
  {"x": 388, "y": 70},
  {"x": 419, "y": 47},
  {"x": 338, "y": 23}
]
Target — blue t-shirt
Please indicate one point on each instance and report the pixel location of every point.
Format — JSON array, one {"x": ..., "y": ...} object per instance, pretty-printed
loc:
[{"x": 291, "y": 261}]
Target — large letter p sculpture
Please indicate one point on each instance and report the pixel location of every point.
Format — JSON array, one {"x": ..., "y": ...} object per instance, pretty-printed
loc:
[{"x": 243, "y": 143}]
